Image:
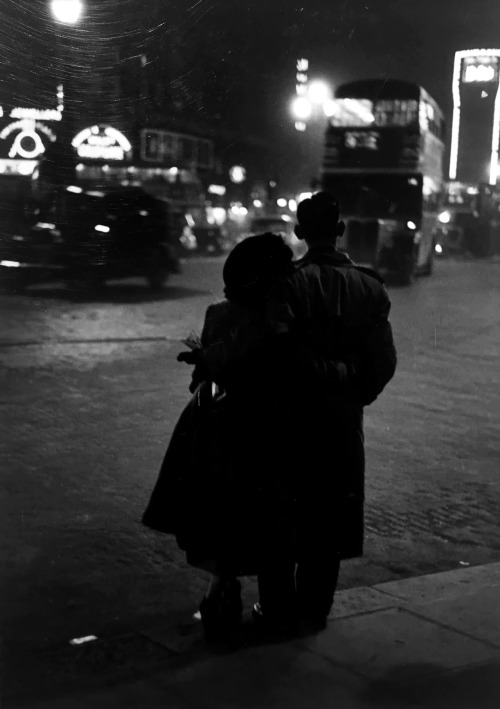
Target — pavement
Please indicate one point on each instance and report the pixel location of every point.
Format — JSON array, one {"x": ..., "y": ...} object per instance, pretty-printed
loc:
[{"x": 430, "y": 641}]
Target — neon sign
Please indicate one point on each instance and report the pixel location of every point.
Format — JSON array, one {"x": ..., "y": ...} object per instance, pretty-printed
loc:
[
  {"x": 480, "y": 70},
  {"x": 478, "y": 66},
  {"x": 301, "y": 104},
  {"x": 101, "y": 143},
  {"x": 28, "y": 143},
  {"x": 37, "y": 114},
  {"x": 17, "y": 167}
]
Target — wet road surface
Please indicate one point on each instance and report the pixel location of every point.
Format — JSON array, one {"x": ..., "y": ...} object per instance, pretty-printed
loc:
[{"x": 90, "y": 390}]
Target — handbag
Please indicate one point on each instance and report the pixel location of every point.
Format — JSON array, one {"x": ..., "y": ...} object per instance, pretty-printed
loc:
[{"x": 188, "y": 489}]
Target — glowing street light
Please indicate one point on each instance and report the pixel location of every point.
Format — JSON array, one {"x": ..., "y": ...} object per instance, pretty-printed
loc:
[
  {"x": 237, "y": 174},
  {"x": 329, "y": 107},
  {"x": 319, "y": 92},
  {"x": 301, "y": 108},
  {"x": 67, "y": 11}
]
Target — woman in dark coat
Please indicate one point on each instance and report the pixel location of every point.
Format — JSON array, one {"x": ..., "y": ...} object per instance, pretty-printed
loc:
[{"x": 222, "y": 488}]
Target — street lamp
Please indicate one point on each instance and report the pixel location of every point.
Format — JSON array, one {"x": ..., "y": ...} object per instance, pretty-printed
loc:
[
  {"x": 67, "y": 11},
  {"x": 60, "y": 163},
  {"x": 319, "y": 92},
  {"x": 315, "y": 102}
]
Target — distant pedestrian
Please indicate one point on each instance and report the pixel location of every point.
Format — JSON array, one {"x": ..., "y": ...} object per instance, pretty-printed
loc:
[{"x": 341, "y": 312}]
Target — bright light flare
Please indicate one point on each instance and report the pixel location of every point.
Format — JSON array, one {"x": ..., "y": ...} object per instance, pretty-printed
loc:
[
  {"x": 445, "y": 217},
  {"x": 319, "y": 92},
  {"x": 329, "y": 107},
  {"x": 217, "y": 189},
  {"x": 438, "y": 249},
  {"x": 411, "y": 225},
  {"x": 301, "y": 108},
  {"x": 45, "y": 225},
  {"x": 219, "y": 214},
  {"x": 282, "y": 202},
  {"x": 83, "y": 640},
  {"x": 10, "y": 264},
  {"x": 237, "y": 174},
  {"x": 67, "y": 11},
  {"x": 102, "y": 228}
]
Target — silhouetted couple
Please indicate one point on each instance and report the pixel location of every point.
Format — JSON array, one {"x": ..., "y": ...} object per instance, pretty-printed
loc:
[{"x": 264, "y": 474}]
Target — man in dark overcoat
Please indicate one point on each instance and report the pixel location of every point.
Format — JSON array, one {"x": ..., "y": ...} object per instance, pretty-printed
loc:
[{"x": 342, "y": 354}]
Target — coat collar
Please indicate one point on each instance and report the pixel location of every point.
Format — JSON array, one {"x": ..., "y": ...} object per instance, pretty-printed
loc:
[{"x": 326, "y": 253}]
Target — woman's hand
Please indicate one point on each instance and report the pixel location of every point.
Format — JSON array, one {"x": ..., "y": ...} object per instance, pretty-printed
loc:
[{"x": 191, "y": 357}]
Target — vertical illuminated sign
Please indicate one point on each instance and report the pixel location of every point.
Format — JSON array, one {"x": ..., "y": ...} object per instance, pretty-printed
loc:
[
  {"x": 301, "y": 78},
  {"x": 475, "y": 67}
]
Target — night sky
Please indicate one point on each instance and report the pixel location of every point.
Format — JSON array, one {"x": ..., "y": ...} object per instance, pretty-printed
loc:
[
  {"x": 351, "y": 39},
  {"x": 343, "y": 40}
]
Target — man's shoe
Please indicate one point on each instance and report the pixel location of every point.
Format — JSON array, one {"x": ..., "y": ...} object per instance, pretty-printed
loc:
[
  {"x": 313, "y": 622},
  {"x": 273, "y": 625}
]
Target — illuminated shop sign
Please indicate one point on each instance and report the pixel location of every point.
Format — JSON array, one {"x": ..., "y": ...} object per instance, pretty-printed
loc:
[
  {"x": 25, "y": 138},
  {"x": 37, "y": 114},
  {"x": 165, "y": 147},
  {"x": 301, "y": 103},
  {"x": 17, "y": 167},
  {"x": 102, "y": 143},
  {"x": 475, "y": 66},
  {"x": 480, "y": 70}
]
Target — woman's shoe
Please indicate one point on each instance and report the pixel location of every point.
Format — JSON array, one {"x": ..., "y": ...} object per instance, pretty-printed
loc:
[
  {"x": 231, "y": 606},
  {"x": 221, "y": 615}
]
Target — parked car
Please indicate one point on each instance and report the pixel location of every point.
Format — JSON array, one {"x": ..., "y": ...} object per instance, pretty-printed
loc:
[
  {"x": 278, "y": 224},
  {"x": 200, "y": 238},
  {"x": 93, "y": 235}
]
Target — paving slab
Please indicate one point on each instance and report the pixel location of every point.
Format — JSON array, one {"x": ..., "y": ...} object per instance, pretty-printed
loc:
[
  {"x": 447, "y": 584},
  {"x": 362, "y": 599},
  {"x": 277, "y": 676},
  {"x": 476, "y": 614},
  {"x": 474, "y": 687},
  {"x": 146, "y": 694},
  {"x": 398, "y": 640}
]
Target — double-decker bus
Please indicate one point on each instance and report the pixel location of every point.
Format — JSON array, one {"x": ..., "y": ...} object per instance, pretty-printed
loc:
[{"x": 383, "y": 160}]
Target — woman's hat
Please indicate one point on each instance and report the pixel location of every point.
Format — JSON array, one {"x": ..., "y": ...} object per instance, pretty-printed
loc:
[{"x": 254, "y": 263}]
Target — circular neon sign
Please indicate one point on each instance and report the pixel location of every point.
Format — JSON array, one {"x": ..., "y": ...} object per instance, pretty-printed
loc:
[{"x": 27, "y": 144}]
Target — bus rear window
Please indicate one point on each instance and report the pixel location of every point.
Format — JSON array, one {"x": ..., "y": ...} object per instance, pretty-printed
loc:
[
  {"x": 395, "y": 113},
  {"x": 346, "y": 112},
  {"x": 380, "y": 196}
]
